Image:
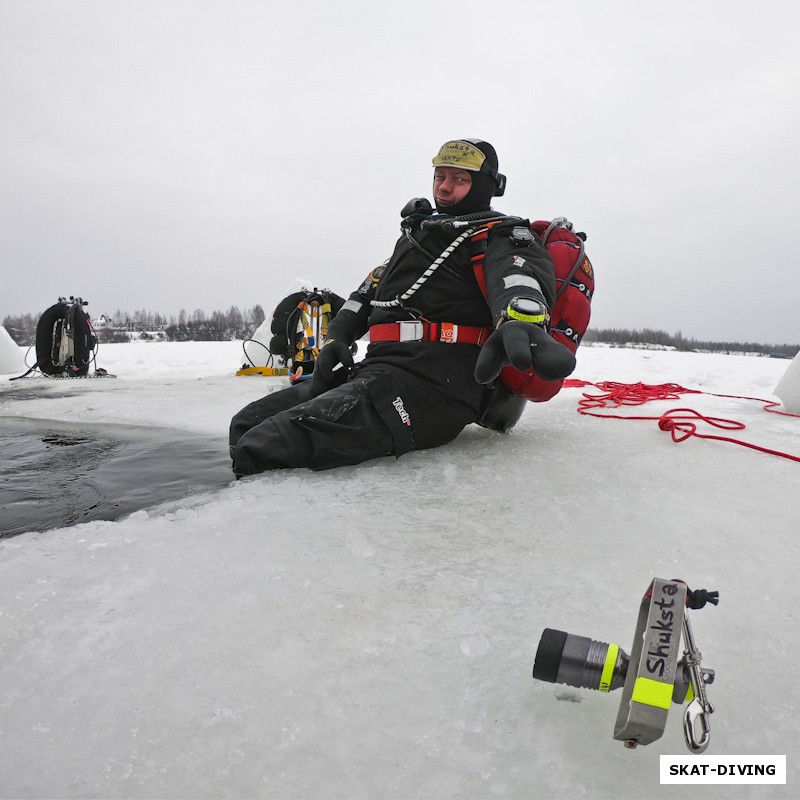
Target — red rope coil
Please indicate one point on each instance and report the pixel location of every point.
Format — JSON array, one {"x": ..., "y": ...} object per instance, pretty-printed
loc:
[{"x": 680, "y": 423}]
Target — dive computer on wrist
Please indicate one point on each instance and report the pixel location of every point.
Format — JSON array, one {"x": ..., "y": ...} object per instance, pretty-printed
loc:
[{"x": 525, "y": 309}]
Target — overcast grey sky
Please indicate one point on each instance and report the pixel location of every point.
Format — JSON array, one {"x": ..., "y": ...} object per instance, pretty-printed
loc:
[{"x": 196, "y": 154}]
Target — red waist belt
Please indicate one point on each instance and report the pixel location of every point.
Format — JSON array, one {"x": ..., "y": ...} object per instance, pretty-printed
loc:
[{"x": 424, "y": 331}]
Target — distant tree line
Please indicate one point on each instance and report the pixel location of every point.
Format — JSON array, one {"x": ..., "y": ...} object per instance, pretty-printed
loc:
[
  {"x": 235, "y": 323},
  {"x": 221, "y": 326},
  {"x": 622, "y": 336},
  {"x": 124, "y": 326}
]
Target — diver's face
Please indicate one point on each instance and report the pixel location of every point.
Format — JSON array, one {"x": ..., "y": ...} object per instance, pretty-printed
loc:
[{"x": 450, "y": 185}]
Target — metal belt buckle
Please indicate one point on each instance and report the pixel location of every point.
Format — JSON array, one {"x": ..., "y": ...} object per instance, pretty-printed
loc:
[{"x": 412, "y": 331}]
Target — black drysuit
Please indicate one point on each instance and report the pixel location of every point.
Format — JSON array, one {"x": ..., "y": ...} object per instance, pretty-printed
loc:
[{"x": 404, "y": 395}]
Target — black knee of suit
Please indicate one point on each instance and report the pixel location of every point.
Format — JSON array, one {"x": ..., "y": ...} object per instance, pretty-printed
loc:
[
  {"x": 362, "y": 419},
  {"x": 268, "y": 406}
]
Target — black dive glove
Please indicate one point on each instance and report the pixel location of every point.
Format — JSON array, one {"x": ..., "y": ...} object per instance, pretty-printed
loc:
[
  {"x": 332, "y": 355},
  {"x": 523, "y": 345}
]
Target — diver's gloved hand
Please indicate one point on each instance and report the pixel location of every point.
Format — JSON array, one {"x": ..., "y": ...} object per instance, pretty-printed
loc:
[
  {"x": 523, "y": 345},
  {"x": 333, "y": 364}
]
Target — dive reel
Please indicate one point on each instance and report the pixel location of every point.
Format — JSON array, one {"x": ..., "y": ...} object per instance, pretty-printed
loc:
[{"x": 651, "y": 677}]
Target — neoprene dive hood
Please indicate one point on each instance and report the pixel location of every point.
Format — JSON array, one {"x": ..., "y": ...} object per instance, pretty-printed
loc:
[{"x": 479, "y": 158}]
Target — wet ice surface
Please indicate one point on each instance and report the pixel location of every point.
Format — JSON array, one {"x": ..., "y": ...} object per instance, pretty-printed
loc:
[{"x": 54, "y": 475}]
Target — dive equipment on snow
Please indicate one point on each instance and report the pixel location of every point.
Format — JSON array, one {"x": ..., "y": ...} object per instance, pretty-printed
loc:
[
  {"x": 299, "y": 328},
  {"x": 265, "y": 371},
  {"x": 652, "y": 677},
  {"x": 66, "y": 343}
]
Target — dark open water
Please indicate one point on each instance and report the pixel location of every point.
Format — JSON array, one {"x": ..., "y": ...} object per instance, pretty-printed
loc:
[{"x": 53, "y": 475}]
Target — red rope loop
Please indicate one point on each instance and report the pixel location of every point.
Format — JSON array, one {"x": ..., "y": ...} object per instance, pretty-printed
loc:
[
  {"x": 680, "y": 423},
  {"x": 681, "y": 428}
]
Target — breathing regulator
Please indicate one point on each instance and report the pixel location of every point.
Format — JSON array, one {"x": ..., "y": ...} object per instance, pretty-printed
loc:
[{"x": 652, "y": 677}]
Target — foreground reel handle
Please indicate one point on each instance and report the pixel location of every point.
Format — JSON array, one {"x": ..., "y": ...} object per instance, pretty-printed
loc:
[{"x": 698, "y": 712}]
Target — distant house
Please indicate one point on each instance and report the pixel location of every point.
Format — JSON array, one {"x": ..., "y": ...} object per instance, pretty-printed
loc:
[{"x": 103, "y": 322}]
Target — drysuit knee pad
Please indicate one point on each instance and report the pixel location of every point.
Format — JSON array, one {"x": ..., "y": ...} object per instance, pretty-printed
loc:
[{"x": 363, "y": 419}]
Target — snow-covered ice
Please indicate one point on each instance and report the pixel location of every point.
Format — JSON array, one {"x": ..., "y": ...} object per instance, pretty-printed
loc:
[
  {"x": 369, "y": 632},
  {"x": 788, "y": 388},
  {"x": 11, "y": 356}
]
